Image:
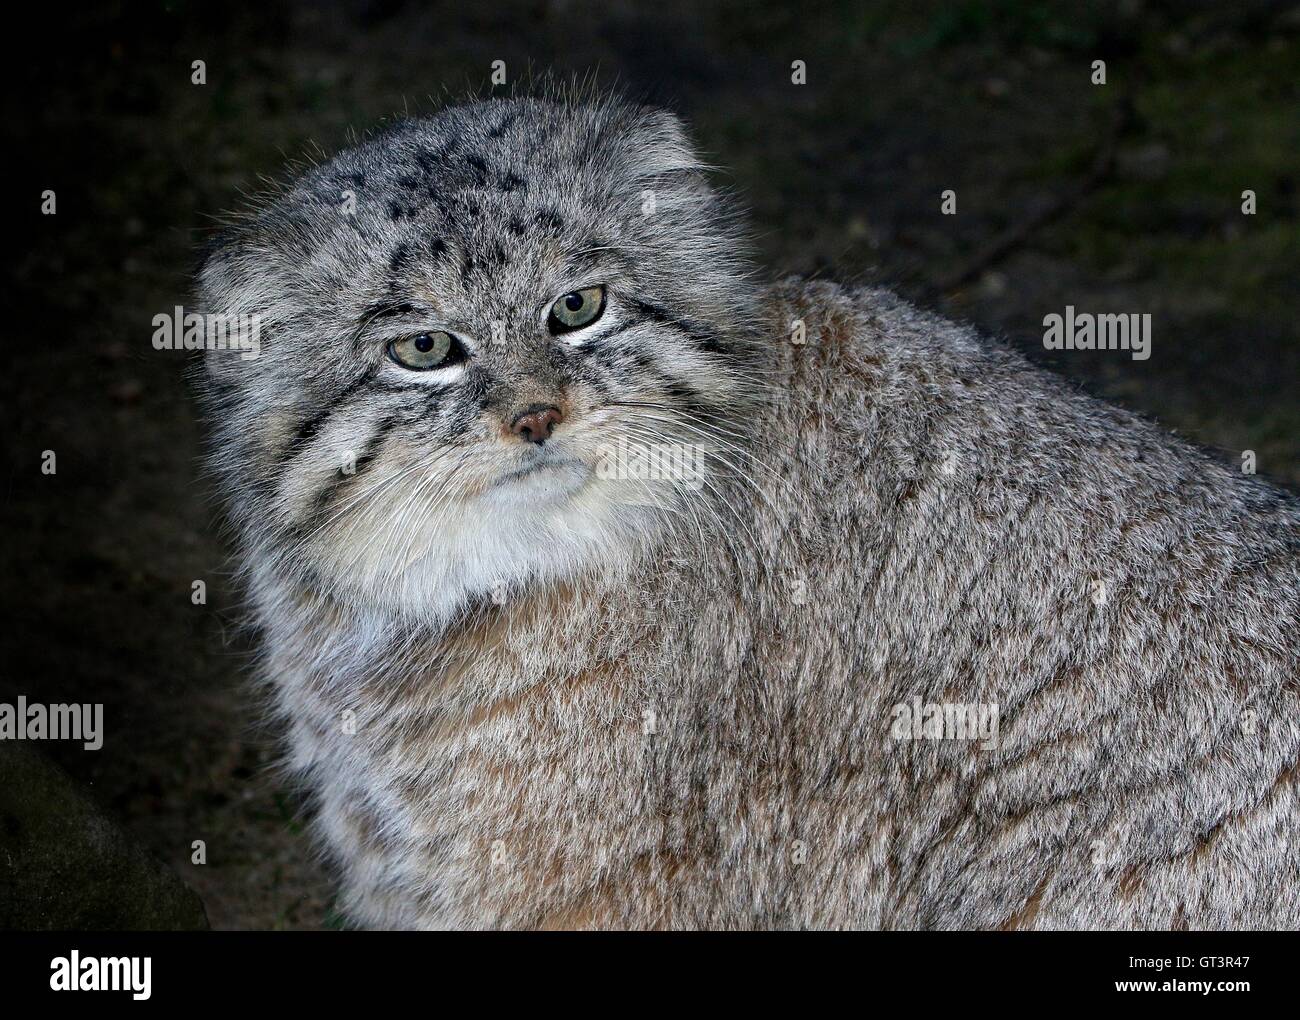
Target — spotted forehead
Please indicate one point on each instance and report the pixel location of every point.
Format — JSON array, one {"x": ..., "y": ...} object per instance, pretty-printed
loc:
[
  {"x": 452, "y": 166},
  {"x": 474, "y": 204}
]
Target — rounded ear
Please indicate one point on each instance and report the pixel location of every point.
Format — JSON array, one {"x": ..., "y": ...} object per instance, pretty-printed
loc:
[
  {"x": 231, "y": 334},
  {"x": 662, "y": 145}
]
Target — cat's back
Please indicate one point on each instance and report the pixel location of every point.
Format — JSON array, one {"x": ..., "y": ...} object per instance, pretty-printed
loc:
[{"x": 973, "y": 532}]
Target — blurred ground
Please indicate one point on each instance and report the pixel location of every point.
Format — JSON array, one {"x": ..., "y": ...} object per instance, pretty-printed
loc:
[{"x": 904, "y": 100}]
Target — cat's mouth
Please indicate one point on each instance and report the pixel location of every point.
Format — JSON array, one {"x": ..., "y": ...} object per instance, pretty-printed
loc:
[{"x": 544, "y": 466}]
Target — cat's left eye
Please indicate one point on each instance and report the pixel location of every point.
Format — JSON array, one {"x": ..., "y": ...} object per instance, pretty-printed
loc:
[{"x": 577, "y": 309}]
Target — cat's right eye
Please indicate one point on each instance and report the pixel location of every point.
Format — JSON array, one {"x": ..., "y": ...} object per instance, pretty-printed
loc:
[{"x": 424, "y": 351}]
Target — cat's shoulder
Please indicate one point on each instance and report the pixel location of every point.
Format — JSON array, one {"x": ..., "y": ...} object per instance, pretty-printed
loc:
[
  {"x": 831, "y": 334},
  {"x": 845, "y": 320}
]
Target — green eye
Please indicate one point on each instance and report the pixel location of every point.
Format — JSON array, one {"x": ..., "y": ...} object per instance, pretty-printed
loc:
[
  {"x": 425, "y": 350},
  {"x": 578, "y": 309}
]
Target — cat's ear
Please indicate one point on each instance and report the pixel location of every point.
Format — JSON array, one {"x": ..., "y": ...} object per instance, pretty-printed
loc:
[
  {"x": 662, "y": 144},
  {"x": 231, "y": 336}
]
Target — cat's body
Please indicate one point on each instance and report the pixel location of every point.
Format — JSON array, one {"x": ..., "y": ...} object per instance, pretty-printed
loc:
[{"x": 689, "y": 717}]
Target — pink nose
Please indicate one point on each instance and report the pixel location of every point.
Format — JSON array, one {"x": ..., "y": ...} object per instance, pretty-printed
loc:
[{"x": 536, "y": 424}]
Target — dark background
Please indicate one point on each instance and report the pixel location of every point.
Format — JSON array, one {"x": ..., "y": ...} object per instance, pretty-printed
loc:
[{"x": 1121, "y": 198}]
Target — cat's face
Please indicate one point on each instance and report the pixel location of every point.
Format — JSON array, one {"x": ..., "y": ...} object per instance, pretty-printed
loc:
[{"x": 470, "y": 329}]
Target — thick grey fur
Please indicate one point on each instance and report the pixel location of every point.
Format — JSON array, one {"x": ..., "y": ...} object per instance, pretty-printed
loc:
[{"x": 572, "y": 702}]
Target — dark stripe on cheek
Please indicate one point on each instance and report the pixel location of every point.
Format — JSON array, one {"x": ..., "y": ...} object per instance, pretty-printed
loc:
[
  {"x": 705, "y": 338},
  {"x": 596, "y": 344},
  {"x": 432, "y": 402},
  {"x": 311, "y": 427},
  {"x": 340, "y": 481},
  {"x": 681, "y": 390},
  {"x": 648, "y": 369},
  {"x": 632, "y": 368},
  {"x": 373, "y": 445},
  {"x": 695, "y": 401},
  {"x": 594, "y": 371}
]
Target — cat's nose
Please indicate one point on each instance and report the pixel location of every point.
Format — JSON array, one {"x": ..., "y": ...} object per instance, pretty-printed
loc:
[{"x": 536, "y": 424}]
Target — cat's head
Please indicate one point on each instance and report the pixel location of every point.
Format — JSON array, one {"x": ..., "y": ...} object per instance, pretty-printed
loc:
[{"x": 493, "y": 347}]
